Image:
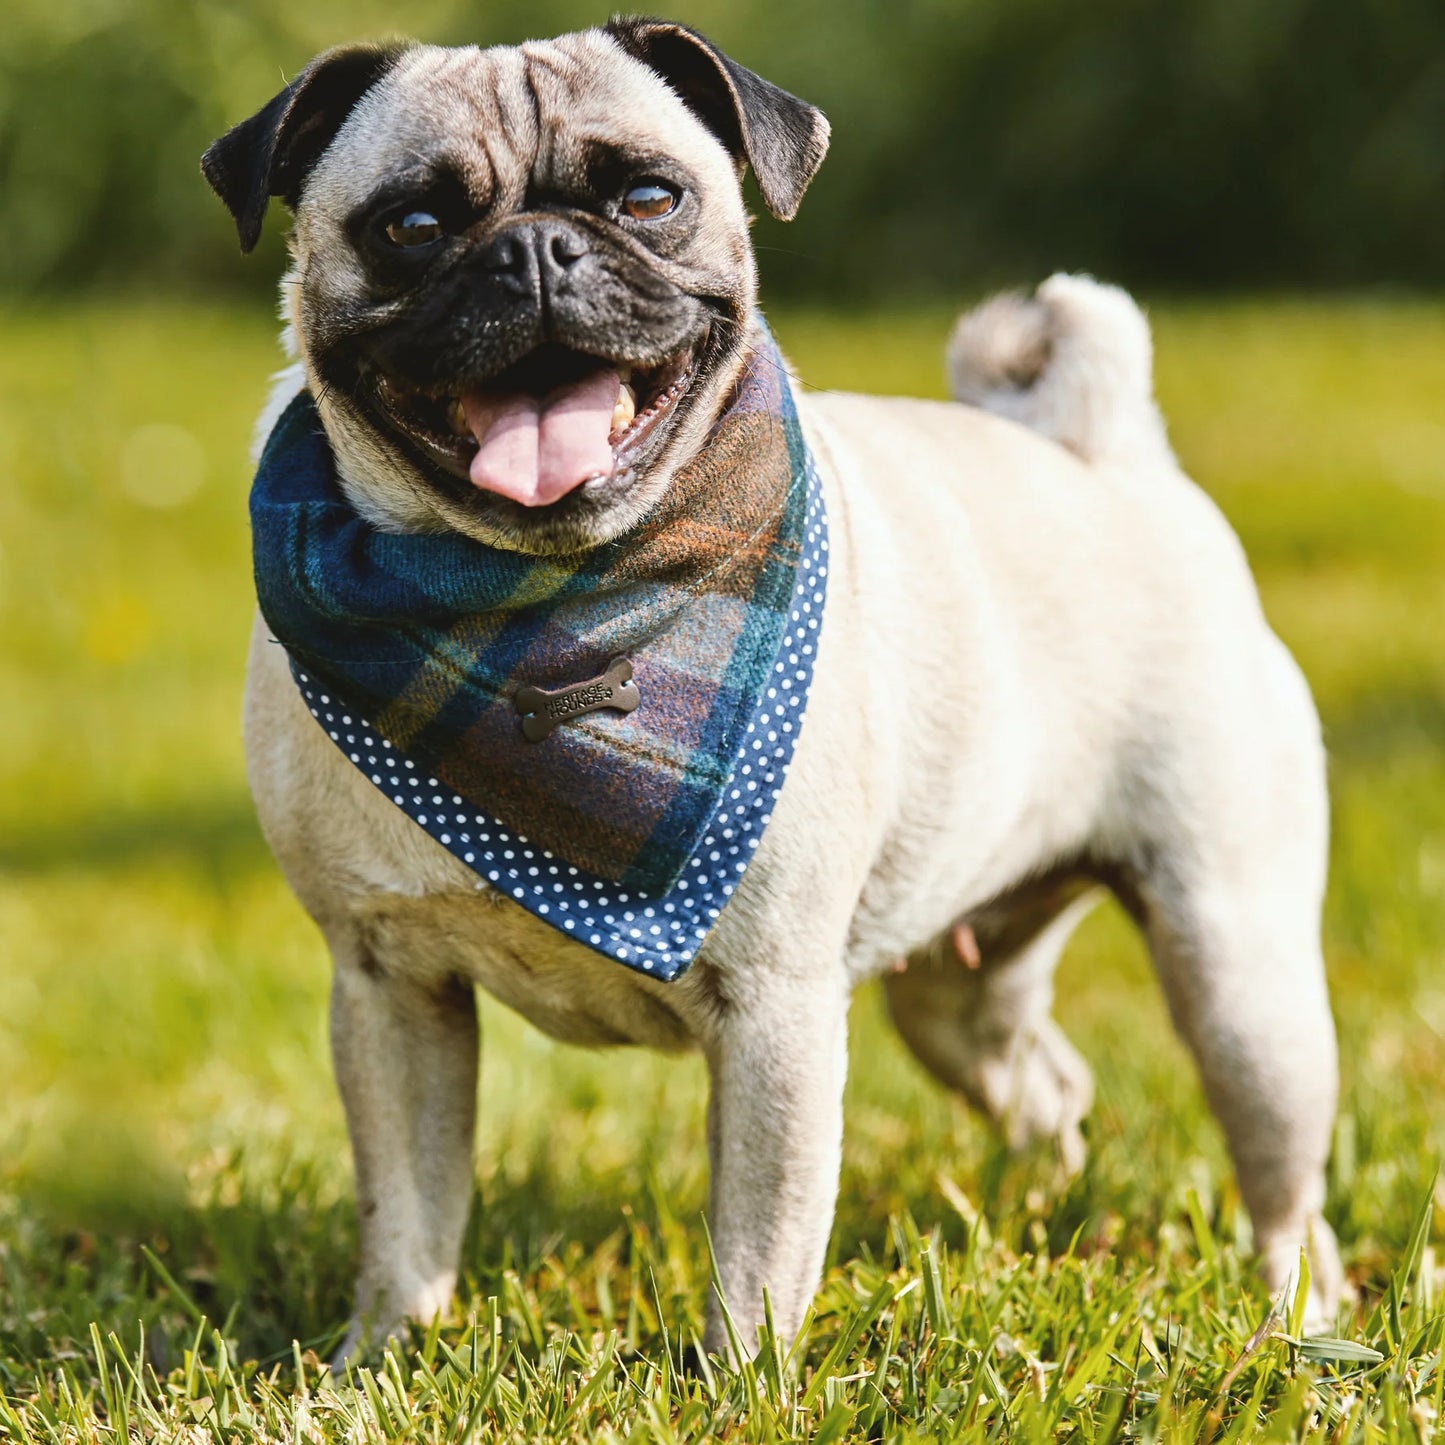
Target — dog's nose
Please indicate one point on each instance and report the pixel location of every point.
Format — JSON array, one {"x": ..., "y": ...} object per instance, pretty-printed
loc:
[
  {"x": 559, "y": 246},
  {"x": 510, "y": 258},
  {"x": 535, "y": 256}
]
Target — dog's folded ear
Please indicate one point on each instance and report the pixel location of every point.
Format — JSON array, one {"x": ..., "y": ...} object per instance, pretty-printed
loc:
[
  {"x": 783, "y": 138},
  {"x": 272, "y": 153}
]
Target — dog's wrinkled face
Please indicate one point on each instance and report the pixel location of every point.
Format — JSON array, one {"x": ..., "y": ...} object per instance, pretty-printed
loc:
[{"x": 522, "y": 276}]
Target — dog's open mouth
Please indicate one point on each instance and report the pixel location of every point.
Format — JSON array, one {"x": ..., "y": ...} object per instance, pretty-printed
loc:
[{"x": 550, "y": 423}]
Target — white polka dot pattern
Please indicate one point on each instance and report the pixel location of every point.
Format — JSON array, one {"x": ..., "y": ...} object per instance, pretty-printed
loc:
[{"x": 657, "y": 933}]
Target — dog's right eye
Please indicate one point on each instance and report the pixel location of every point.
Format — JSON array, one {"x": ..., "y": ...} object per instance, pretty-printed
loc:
[
  {"x": 650, "y": 200},
  {"x": 415, "y": 228}
]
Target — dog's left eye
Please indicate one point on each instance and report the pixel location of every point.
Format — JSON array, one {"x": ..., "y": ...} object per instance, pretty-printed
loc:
[
  {"x": 650, "y": 201},
  {"x": 416, "y": 228}
]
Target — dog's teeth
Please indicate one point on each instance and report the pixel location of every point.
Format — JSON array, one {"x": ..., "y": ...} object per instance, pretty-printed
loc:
[
  {"x": 457, "y": 417},
  {"x": 625, "y": 372},
  {"x": 625, "y": 410}
]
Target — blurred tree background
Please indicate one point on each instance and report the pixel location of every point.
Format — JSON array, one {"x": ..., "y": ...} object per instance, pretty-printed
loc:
[{"x": 1179, "y": 145}]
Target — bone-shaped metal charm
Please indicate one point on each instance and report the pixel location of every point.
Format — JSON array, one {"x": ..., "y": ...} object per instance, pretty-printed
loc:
[{"x": 542, "y": 711}]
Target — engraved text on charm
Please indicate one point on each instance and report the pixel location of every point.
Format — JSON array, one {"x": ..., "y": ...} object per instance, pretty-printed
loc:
[{"x": 542, "y": 711}]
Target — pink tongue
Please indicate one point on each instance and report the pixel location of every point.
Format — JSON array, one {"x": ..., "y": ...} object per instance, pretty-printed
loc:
[{"x": 536, "y": 451}]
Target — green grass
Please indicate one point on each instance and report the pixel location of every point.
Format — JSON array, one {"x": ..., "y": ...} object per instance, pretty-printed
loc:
[{"x": 174, "y": 1188}]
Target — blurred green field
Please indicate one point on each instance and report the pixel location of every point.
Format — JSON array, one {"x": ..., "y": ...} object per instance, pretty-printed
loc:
[{"x": 164, "y": 1080}]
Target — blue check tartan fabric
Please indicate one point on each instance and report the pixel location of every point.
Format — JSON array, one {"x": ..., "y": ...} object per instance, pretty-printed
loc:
[{"x": 428, "y": 637}]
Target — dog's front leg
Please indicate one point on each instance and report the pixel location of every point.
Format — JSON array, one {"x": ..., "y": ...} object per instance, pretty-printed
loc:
[
  {"x": 405, "y": 1052},
  {"x": 775, "y": 1128}
]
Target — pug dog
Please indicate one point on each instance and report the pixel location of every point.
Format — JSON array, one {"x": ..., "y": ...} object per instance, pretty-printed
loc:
[{"x": 1042, "y": 670}]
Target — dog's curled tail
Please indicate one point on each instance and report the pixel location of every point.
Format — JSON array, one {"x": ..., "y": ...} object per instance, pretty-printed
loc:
[{"x": 1073, "y": 362}]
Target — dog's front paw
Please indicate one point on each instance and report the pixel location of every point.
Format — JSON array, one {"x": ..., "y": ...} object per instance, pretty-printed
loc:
[
  {"x": 1279, "y": 1254},
  {"x": 365, "y": 1341},
  {"x": 353, "y": 1351},
  {"x": 383, "y": 1319}
]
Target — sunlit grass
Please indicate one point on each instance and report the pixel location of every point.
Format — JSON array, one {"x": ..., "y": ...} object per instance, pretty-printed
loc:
[{"x": 163, "y": 1064}]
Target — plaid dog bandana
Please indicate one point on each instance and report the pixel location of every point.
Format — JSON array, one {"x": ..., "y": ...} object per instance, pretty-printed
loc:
[{"x": 625, "y": 826}]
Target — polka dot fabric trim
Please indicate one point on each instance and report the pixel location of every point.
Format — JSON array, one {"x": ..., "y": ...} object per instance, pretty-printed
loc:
[{"x": 658, "y": 933}]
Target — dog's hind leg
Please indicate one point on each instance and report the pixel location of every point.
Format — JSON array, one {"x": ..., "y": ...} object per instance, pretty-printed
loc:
[
  {"x": 982, "y": 1026},
  {"x": 1229, "y": 894},
  {"x": 1240, "y": 962},
  {"x": 405, "y": 1052}
]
